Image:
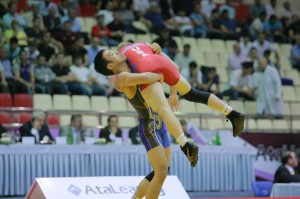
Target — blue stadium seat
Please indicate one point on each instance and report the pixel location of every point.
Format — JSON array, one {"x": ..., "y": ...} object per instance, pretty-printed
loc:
[{"x": 262, "y": 188}]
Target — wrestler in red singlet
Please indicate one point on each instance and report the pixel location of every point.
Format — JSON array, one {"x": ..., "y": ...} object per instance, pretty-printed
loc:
[{"x": 141, "y": 58}]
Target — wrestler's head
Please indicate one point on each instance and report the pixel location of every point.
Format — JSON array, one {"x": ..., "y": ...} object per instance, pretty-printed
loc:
[{"x": 109, "y": 62}]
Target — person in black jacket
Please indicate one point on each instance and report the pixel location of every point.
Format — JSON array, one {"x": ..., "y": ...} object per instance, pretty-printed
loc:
[
  {"x": 36, "y": 128},
  {"x": 111, "y": 131},
  {"x": 286, "y": 173},
  {"x": 134, "y": 135},
  {"x": 2, "y": 130}
]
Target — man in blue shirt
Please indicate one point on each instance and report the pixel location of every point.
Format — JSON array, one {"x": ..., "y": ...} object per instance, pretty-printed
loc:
[
  {"x": 228, "y": 7},
  {"x": 295, "y": 53},
  {"x": 93, "y": 49},
  {"x": 273, "y": 29},
  {"x": 12, "y": 14},
  {"x": 75, "y": 24}
]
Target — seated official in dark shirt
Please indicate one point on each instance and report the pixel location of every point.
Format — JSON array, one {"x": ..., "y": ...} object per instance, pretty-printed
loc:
[
  {"x": 111, "y": 131},
  {"x": 37, "y": 129},
  {"x": 286, "y": 173},
  {"x": 134, "y": 135},
  {"x": 2, "y": 130}
]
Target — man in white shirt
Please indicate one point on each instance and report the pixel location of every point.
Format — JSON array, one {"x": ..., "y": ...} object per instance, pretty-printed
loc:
[
  {"x": 236, "y": 59},
  {"x": 257, "y": 26},
  {"x": 107, "y": 13},
  {"x": 261, "y": 45},
  {"x": 184, "y": 58},
  {"x": 207, "y": 7},
  {"x": 183, "y": 23},
  {"x": 245, "y": 45}
]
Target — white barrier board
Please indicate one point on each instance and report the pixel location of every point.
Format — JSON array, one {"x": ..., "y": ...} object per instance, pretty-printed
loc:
[{"x": 114, "y": 187}]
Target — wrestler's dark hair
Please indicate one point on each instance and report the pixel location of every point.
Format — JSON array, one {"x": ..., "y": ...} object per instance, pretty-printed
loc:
[{"x": 100, "y": 64}]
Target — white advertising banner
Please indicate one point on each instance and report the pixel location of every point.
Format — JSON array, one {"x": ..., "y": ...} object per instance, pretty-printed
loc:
[{"x": 114, "y": 187}]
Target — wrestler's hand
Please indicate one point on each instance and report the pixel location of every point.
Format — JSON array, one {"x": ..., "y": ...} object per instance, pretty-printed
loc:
[
  {"x": 173, "y": 102},
  {"x": 156, "y": 48}
]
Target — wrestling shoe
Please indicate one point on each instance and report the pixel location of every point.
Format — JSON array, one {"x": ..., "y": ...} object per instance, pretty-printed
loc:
[
  {"x": 191, "y": 152},
  {"x": 237, "y": 120}
]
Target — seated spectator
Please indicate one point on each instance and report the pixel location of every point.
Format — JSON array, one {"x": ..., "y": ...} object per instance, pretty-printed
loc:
[
  {"x": 116, "y": 28},
  {"x": 286, "y": 12},
  {"x": 199, "y": 21},
  {"x": 193, "y": 75},
  {"x": 207, "y": 7},
  {"x": 93, "y": 49},
  {"x": 253, "y": 57},
  {"x": 272, "y": 8},
  {"x": 236, "y": 59},
  {"x": 52, "y": 21},
  {"x": 75, "y": 131},
  {"x": 273, "y": 29},
  {"x": 183, "y": 23},
  {"x": 64, "y": 75},
  {"x": 154, "y": 18},
  {"x": 83, "y": 76},
  {"x": 33, "y": 12},
  {"x": 32, "y": 51},
  {"x": 47, "y": 6},
  {"x": 257, "y": 26},
  {"x": 127, "y": 16},
  {"x": 293, "y": 29},
  {"x": 103, "y": 33},
  {"x": 230, "y": 26},
  {"x": 261, "y": 45},
  {"x": 241, "y": 83},
  {"x": 12, "y": 15},
  {"x": 112, "y": 130},
  {"x": 36, "y": 31},
  {"x": 134, "y": 135},
  {"x": 184, "y": 59},
  {"x": 286, "y": 172},
  {"x": 16, "y": 31},
  {"x": 13, "y": 49},
  {"x": 67, "y": 37},
  {"x": 78, "y": 49},
  {"x": 211, "y": 82},
  {"x": 269, "y": 95},
  {"x": 63, "y": 8},
  {"x": 245, "y": 44},
  {"x": 256, "y": 9},
  {"x": 23, "y": 73},
  {"x": 107, "y": 13},
  {"x": 9, "y": 84},
  {"x": 171, "y": 50},
  {"x": 3, "y": 131},
  {"x": 75, "y": 25},
  {"x": 45, "y": 48},
  {"x": 141, "y": 6},
  {"x": 164, "y": 39},
  {"x": 227, "y": 6},
  {"x": 45, "y": 79},
  {"x": 37, "y": 128},
  {"x": 295, "y": 53}
]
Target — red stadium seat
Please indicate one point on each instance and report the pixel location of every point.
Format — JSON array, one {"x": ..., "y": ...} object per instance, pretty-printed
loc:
[
  {"x": 5, "y": 100},
  {"x": 5, "y": 118},
  {"x": 25, "y": 117},
  {"x": 23, "y": 100},
  {"x": 53, "y": 120}
]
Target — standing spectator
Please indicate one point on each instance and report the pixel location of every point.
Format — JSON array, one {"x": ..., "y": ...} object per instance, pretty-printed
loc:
[
  {"x": 245, "y": 44},
  {"x": 12, "y": 15},
  {"x": 67, "y": 37},
  {"x": 34, "y": 12},
  {"x": 64, "y": 75},
  {"x": 52, "y": 21},
  {"x": 72, "y": 18},
  {"x": 193, "y": 75},
  {"x": 199, "y": 21},
  {"x": 79, "y": 50},
  {"x": 269, "y": 95},
  {"x": 257, "y": 9},
  {"x": 37, "y": 128},
  {"x": 75, "y": 131},
  {"x": 227, "y": 6},
  {"x": 261, "y": 45},
  {"x": 13, "y": 49},
  {"x": 272, "y": 8},
  {"x": 93, "y": 49},
  {"x": 16, "y": 31},
  {"x": 184, "y": 59},
  {"x": 46, "y": 79},
  {"x": 112, "y": 130},
  {"x": 8, "y": 78},
  {"x": 241, "y": 83},
  {"x": 36, "y": 31},
  {"x": 295, "y": 53},
  {"x": 273, "y": 29},
  {"x": 276, "y": 63},
  {"x": 84, "y": 77},
  {"x": 103, "y": 33},
  {"x": 24, "y": 74},
  {"x": 207, "y": 7},
  {"x": 45, "y": 48},
  {"x": 46, "y": 6},
  {"x": 32, "y": 51},
  {"x": 116, "y": 28},
  {"x": 154, "y": 18},
  {"x": 236, "y": 59},
  {"x": 257, "y": 26},
  {"x": 107, "y": 13},
  {"x": 164, "y": 39},
  {"x": 286, "y": 172}
]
